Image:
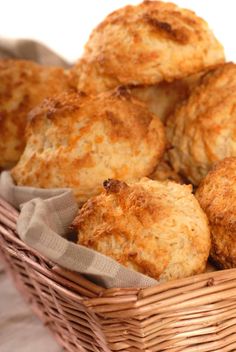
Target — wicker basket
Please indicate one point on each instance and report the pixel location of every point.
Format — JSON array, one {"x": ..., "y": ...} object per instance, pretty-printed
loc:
[{"x": 193, "y": 314}]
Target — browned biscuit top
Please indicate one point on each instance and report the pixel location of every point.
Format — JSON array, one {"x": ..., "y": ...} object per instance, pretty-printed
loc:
[
  {"x": 202, "y": 130},
  {"x": 77, "y": 141},
  {"x": 156, "y": 228},
  {"x": 146, "y": 44}
]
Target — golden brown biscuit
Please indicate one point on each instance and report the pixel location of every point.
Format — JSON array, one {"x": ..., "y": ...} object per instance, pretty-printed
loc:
[
  {"x": 23, "y": 84},
  {"x": 217, "y": 196},
  {"x": 163, "y": 98},
  {"x": 146, "y": 44},
  {"x": 156, "y": 228},
  {"x": 77, "y": 141},
  {"x": 202, "y": 130}
]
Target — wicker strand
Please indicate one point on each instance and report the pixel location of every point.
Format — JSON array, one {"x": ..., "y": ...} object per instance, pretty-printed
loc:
[{"x": 196, "y": 314}]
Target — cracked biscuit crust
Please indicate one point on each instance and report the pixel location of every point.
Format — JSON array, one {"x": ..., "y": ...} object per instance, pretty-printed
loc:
[
  {"x": 147, "y": 44},
  {"x": 23, "y": 85},
  {"x": 78, "y": 141},
  {"x": 156, "y": 228},
  {"x": 217, "y": 196},
  {"x": 202, "y": 130}
]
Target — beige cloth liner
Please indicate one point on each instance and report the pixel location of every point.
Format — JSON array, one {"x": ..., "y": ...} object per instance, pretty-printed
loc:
[{"x": 27, "y": 49}]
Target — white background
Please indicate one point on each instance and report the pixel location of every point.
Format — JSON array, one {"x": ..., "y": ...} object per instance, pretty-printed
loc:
[{"x": 64, "y": 25}]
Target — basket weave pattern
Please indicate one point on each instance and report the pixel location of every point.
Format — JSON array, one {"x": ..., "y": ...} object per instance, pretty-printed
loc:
[{"x": 191, "y": 315}]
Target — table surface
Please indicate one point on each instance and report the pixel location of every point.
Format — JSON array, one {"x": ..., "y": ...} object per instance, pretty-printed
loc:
[{"x": 20, "y": 330}]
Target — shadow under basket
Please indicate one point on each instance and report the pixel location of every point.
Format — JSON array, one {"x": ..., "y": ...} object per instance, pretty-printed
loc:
[{"x": 191, "y": 315}]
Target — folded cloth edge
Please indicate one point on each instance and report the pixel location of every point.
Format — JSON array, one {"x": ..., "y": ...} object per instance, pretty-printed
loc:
[{"x": 45, "y": 215}]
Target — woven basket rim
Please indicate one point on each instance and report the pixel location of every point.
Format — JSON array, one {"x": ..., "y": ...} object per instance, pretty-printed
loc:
[
  {"x": 142, "y": 292},
  {"x": 191, "y": 314}
]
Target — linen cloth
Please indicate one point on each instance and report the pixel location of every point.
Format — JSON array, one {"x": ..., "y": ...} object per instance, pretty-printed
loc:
[{"x": 27, "y": 49}]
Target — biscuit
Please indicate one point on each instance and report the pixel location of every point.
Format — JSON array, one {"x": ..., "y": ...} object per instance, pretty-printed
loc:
[
  {"x": 202, "y": 130},
  {"x": 217, "y": 197},
  {"x": 162, "y": 99},
  {"x": 145, "y": 45},
  {"x": 78, "y": 141},
  {"x": 156, "y": 228},
  {"x": 23, "y": 85}
]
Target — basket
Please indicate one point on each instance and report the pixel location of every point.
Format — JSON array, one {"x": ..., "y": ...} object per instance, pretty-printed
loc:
[{"x": 191, "y": 315}]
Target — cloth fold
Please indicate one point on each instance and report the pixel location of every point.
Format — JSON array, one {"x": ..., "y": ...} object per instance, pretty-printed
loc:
[{"x": 45, "y": 217}]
